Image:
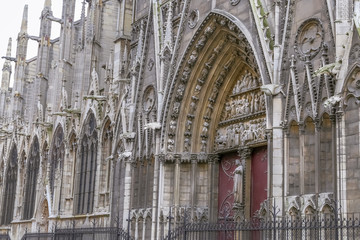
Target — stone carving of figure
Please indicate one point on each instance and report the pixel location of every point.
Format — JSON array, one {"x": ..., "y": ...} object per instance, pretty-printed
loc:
[
  {"x": 180, "y": 90},
  {"x": 246, "y": 80},
  {"x": 208, "y": 111},
  {"x": 220, "y": 140},
  {"x": 204, "y": 74},
  {"x": 262, "y": 102},
  {"x": 188, "y": 125},
  {"x": 256, "y": 103},
  {"x": 192, "y": 108},
  {"x": 176, "y": 107},
  {"x": 214, "y": 93},
  {"x": 227, "y": 111},
  {"x": 185, "y": 74},
  {"x": 172, "y": 127},
  {"x": 247, "y": 106},
  {"x": 171, "y": 143},
  {"x": 233, "y": 108},
  {"x": 238, "y": 184},
  {"x": 193, "y": 57},
  {"x": 203, "y": 145},
  {"x": 205, "y": 129},
  {"x": 237, "y": 87},
  {"x": 186, "y": 144}
]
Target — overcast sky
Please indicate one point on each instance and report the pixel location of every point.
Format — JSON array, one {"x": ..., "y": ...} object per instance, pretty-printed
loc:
[{"x": 10, "y": 23}]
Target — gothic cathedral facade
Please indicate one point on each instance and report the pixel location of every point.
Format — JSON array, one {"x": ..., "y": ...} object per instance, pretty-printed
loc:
[{"x": 218, "y": 109}]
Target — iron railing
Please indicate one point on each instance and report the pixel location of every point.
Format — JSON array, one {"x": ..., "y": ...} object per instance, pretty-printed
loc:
[
  {"x": 4, "y": 237},
  {"x": 274, "y": 226},
  {"x": 74, "y": 233},
  {"x": 295, "y": 229},
  {"x": 106, "y": 233}
]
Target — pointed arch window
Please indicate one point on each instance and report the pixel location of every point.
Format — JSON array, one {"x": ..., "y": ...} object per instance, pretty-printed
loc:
[
  {"x": 56, "y": 155},
  {"x": 86, "y": 168},
  {"x": 32, "y": 169},
  {"x": 10, "y": 188}
]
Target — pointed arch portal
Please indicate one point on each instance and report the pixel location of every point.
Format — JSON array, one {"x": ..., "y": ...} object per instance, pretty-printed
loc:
[{"x": 217, "y": 108}]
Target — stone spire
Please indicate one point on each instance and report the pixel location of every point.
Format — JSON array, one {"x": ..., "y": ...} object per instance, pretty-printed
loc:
[
  {"x": 6, "y": 70},
  {"x": 22, "y": 38},
  {"x": 81, "y": 37},
  {"x": 90, "y": 22},
  {"x": 24, "y": 22},
  {"x": 168, "y": 32},
  {"x": 47, "y": 4}
]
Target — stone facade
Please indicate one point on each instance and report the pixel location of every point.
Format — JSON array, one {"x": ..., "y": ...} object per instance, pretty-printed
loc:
[{"x": 217, "y": 109}]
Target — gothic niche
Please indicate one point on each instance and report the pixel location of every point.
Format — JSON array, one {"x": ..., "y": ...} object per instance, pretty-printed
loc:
[
  {"x": 354, "y": 84},
  {"x": 193, "y": 18},
  {"x": 148, "y": 99},
  {"x": 309, "y": 39},
  {"x": 243, "y": 117}
]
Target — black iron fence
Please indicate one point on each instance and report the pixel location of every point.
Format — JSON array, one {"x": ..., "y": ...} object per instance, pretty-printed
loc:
[
  {"x": 4, "y": 237},
  {"x": 258, "y": 229},
  {"x": 73, "y": 233}
]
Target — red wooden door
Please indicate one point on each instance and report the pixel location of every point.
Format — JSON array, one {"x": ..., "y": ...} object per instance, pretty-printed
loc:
[
  {"x": 258, "y": 178},
  {"x": 258, "y": 188},
  {"x": 226, "y": 193}
]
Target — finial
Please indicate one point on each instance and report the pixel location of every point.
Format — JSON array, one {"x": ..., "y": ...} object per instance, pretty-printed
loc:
[
  {"x": 24, "y": 19},
  {"x": 168, "y": 32},
  {"x": 47, "y": 4},
  {"x": 8, "y": 52}
]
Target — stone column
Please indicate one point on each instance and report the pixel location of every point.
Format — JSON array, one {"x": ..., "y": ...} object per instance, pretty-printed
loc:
[
  {"x": 317, "y": 155},
  {"x": 340, "y": 166},
  {"x": 176, "y": 201},
  {"x": 333, "y": 153},
  {"x": 212, "y": 186},
  {"x": 127, "y": 190},
  {"x": 136, "y": 237},
  {"x": 286, "y": 161},
  {"x": 277, "y": 148},
  {"x": 193, "y": 183},
  {"x": 302, "y": 166},
  {"x": 158, "y": 193}
]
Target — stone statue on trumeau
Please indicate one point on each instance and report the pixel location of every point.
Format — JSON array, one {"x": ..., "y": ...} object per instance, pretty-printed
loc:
[{"x": 238, "y": 184}]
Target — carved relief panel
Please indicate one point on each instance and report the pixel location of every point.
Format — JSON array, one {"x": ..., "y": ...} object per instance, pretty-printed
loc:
[{"x": 243, "y": 118}]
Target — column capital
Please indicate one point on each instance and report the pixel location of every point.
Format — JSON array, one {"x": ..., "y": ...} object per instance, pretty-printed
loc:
[{"x": 244, "y": 153}]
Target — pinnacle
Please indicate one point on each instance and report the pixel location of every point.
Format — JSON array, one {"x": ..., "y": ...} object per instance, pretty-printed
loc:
[
  {"x": 47, "y": 4},
  {"x": 8, "y": 52},
  {"x": 24, "y": 19}
]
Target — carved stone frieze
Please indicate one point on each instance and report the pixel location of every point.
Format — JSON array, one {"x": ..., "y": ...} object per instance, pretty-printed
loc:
[{"x": 241, "y": 133}]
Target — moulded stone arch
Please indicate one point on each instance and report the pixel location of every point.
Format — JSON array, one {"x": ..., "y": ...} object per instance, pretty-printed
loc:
[
  {"x": 294, "y": 212},
  {"x": 56, "y": 156},
  {"x": 105, "y": 163},
  {"x": 87, "y": 154},
  {"x": 309, "y": 210},
  {"x": 32, "y": 172},
  {"x": 294, "y": 159},
  {"x": 326, "y": 178},
  {"x": 343, "y": 82},
  {"x": 42, "y": 214},
  {"x": 222, "y": 41},
  {"x": 351, "y": 83},
  {"x": 11, "y": 177},
  {"x": 309, "y": 155}
]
